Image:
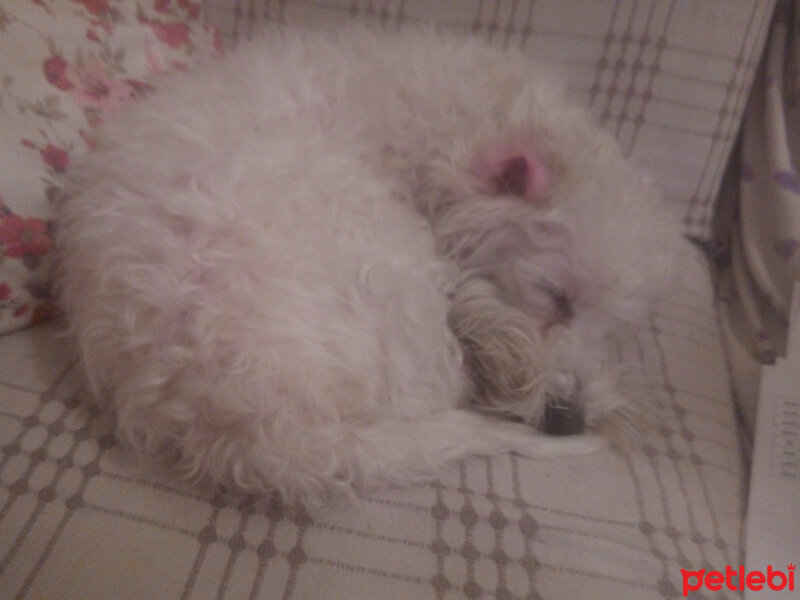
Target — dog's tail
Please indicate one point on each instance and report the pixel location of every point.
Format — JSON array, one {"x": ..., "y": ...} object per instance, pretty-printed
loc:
[{"x": 362, "y": 456}]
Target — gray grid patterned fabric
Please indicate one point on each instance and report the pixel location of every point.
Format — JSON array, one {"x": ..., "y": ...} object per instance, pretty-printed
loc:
[
  {"x": 670, "y": 79},
  {"x": 80, "y": 520}
]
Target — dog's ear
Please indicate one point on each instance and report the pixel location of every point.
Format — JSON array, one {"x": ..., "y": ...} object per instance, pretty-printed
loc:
[{"x": 514, "y": 169}]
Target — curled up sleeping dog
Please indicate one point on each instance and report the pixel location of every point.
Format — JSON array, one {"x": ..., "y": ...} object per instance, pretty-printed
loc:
[{"x": 335, "y": 260}]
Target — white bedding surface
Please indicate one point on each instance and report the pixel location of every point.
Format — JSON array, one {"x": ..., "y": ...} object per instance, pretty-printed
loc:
[{"x": 80, "y": 520}]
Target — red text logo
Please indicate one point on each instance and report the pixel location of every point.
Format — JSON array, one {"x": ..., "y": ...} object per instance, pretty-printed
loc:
[{"x": 738, "y": 580}]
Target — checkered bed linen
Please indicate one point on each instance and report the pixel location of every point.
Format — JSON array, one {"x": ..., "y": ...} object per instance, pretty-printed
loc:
[{"x": 80, "y": 520}]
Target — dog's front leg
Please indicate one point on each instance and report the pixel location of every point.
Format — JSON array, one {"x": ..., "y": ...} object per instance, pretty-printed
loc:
[{"x": 510, "y": 361}]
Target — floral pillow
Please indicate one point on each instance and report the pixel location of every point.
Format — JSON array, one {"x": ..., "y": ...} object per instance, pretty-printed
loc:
[{"x": 66, "y": 65}]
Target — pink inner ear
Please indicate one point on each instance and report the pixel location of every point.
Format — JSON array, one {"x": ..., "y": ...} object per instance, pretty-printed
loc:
[{"x": 513, "y": 169}]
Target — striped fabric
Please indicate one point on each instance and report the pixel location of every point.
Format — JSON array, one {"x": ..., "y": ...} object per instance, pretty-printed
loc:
[{"x": 80, "y": 520}]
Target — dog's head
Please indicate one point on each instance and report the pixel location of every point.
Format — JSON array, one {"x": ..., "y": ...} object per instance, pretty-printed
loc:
[{"x": 551, "y": 213}]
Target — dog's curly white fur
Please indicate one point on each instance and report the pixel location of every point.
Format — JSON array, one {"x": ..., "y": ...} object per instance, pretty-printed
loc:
[{"x": 300, "y": 268}]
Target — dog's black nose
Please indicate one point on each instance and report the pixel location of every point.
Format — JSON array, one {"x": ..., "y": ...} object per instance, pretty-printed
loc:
[{"x": 562, "y": 418}]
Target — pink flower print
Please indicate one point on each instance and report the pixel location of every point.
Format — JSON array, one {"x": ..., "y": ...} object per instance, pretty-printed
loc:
[
  {"x": 5, "y": 291},
  {"x": 43, "y": 5},
  {"x": 218, "y": 43},
  {"x": 104, "y": 24},
  {"x": 55, "y": 70},
  {"x": 173, "y": 35},
  {"x": 87, "y": 139},
  {"x": 155, "y": 65},
  {"x": 23, "y": 237},
  {"x": 192, "y": 8},
  {"x": 152, "y": 54},
  {"x": 98, "y": 92},
  {"x": 95, "y": 7},
  {"x": 55, "y": 158},
  {"x": 139, "y": 87}
]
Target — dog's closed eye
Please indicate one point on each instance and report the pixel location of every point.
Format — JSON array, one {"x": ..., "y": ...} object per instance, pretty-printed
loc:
[{"x": 561, "y": 302}]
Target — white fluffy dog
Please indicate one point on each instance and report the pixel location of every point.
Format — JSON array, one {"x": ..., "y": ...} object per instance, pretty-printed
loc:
[{"x": 318, "y": 265}]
